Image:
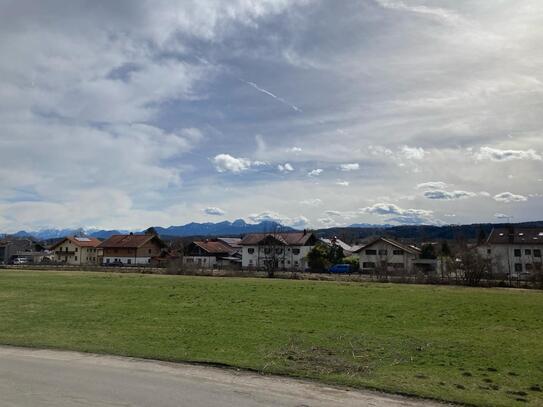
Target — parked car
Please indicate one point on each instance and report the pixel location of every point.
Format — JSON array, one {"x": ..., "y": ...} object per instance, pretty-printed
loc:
[
  {"x": 340, "y": 268},
  {"x": 20, "y": 260}
]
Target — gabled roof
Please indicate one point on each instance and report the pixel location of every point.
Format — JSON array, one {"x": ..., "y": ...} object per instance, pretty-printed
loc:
[
  {"x": 286, "y": 238},
  {"x": 130, "y": 241},
  {"x": 213, "y": 246},
  {"x": 233, "y": 242},
  {"x": 79, "y": 241},
  {"x": 516, "y": 236},
  {"x": 407, "y": 248}
]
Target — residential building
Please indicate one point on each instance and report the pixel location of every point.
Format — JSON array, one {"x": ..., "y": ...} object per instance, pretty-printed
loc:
[
  {"x": 132, "y": 249},
  {"x": 513, "y": 251},
  {"x": 75, "y": 250},
  {"x": 387, "y": 255},
  {"x": 282, "y": 251},
  {"x": 212, "y": 253},
  {"x": 13, "y": 247}
]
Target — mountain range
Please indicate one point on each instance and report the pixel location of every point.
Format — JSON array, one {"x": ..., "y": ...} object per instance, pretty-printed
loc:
[
  {"x": 351, "y": 233},
  {"x": 237, "y": 227}
]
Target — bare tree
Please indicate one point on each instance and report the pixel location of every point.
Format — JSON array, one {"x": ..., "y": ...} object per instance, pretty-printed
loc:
[{"x": 473, "y": 267}]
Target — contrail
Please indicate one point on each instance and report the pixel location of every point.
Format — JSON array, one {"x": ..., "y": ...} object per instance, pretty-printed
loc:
[{"x": 258, "y": 88}]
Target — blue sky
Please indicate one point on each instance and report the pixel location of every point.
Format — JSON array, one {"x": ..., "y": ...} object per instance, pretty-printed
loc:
[{"x": 316, "y": 113}]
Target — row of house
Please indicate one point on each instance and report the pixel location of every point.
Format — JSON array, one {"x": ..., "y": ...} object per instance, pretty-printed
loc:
[
  {"x": 127, "y": 249},
  {"x": 289, "y": 251},
  {"x": 510, "y": 251}
]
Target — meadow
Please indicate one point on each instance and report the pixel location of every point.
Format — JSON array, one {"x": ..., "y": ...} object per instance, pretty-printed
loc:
[{"x": 468, "y": 345}]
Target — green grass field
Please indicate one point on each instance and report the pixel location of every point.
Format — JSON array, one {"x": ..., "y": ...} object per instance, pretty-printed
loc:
[{"x": 475, "y": 346}]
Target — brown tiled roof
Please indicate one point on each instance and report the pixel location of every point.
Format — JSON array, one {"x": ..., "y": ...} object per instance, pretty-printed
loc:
[
  {"x": 287, "y": 238},
  {"x": 129, "y": 241},
  {"x": 213, "y": 246},
  {"x": 516, "y": 236},
  {"x": 80, "y": 241},
  {"x": 407, "y": 248}
]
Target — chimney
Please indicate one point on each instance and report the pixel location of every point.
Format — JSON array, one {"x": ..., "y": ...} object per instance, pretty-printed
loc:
[{"x": 511, "y": 234}]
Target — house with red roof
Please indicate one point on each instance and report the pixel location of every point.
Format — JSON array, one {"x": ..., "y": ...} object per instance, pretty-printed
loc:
[
  {"x": 212, "y": 253},
  {"x": 132, "y": 249},
  {"x": 78, "y": 250}
]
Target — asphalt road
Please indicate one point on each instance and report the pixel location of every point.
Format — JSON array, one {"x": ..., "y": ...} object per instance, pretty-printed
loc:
[{"x": 36, "y": 378}]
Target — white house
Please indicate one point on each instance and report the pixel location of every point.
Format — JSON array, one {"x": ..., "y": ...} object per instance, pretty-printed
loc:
[
  {"x": 391, "y": 256},
  {"x": 211, "y": 253},
  {"x": 513, "y": 251},
  {"x": 78, "y": 251},
  {"x": 282, "y": 251}
]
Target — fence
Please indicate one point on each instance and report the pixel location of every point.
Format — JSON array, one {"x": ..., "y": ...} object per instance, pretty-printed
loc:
[{"x": 533, "y": 281}]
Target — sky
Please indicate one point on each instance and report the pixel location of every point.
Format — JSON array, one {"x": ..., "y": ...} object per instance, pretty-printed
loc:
[{"x": 316, "y": 113}]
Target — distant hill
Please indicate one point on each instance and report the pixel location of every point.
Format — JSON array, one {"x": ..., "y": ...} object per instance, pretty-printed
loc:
[{"x": 420, "y": 232}]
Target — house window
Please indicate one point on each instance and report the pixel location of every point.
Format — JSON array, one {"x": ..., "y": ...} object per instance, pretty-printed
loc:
[
  {"x": 129, "y": 261},
  {"x": 76, "y": 249},
  {"x": 296, "y": 251},
  {"x": 537, "y": 252},
  {"x": 383, "y": 252},
  {"x": 149, "y": 251},
  {"x": 66, "y": 249},
  {"x": 518, "y": 267},
  {"x": 488, "y": 251},
  {"x": 397, "y": 252},
  {"x": 518, "y": 253},
  {"x": 250, "y": 250},
  {"x": 528, "y": 252},
  {"x": 107, "y": 261},
  {"x": 371, "y": 252},
  {"x": 251, "y": 261},
  {"x": 75, "y": 258},
  {"x": 368, "y": 265}
]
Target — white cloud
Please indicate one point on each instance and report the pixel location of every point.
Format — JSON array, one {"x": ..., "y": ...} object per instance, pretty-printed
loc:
[
  {"x": 270, "y": 216},
  {"x": 413, "y": 153},
  {"x": 400, "y": 215},
  {"x": 343, "y": 183},
  {"x": 432, "y": 185},
  {"x": 227, "y": 163},
  {"x": 315, "y": 172},
  {"x": 285, "y": 167},
  {"x": 350, "y": 167},
  {"x": 502, "y": 216},
  {"x": 494, "y": 154},
  {"x": 214, "y": 211},
  {"x": 294, "y": 150},
  {"x": 438, "y": 194},
  {"x": 508, "y": 197},
  {"x": 315, "y": 202}
]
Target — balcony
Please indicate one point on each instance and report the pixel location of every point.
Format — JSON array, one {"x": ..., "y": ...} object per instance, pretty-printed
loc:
[{"x": 64, "y": 253}]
